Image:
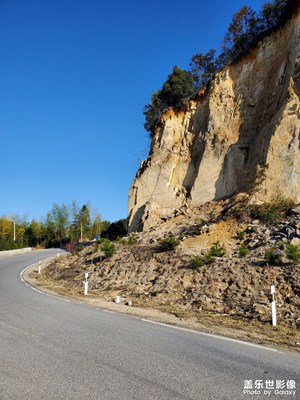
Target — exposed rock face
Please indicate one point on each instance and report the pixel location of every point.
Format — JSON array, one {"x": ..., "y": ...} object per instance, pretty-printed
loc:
[{"x": 245, "y": 124}]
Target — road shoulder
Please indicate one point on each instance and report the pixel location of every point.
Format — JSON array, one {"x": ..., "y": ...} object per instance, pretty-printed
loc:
[{"x": 208, "y": 324}]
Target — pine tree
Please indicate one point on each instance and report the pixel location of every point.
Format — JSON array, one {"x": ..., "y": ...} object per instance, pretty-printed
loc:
[
  {"x": 178, "y": 86},
  {"x": 203, "y": 68}
]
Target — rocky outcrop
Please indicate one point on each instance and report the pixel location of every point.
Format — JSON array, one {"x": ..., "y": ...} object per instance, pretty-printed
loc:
[{"x": 241, "y": 134}]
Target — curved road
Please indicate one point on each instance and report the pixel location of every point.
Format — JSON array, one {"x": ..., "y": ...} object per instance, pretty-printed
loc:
[{"x": 51, "y": 349}]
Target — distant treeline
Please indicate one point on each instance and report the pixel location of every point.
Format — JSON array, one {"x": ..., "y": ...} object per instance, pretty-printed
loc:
[
  {"x": 246, "y": 29},
  {"x": 63, "y": 224}
]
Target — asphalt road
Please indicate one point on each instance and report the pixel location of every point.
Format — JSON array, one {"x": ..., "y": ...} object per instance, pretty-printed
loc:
[{"x": 52, "y": 349}]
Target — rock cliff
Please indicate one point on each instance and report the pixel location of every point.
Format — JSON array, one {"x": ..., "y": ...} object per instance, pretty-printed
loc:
[{"x": 240, "y": 134}]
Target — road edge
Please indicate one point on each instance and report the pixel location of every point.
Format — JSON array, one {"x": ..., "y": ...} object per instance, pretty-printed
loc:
[{"x": 139, "y": 313}]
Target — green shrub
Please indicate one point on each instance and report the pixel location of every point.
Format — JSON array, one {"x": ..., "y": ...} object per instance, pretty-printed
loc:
[
  {"x": 243, "y": 251},
  {"x": 108, "y": 248},
  {"x": 273, "y": 256},
  {"x": 79, "y": 248},
  {"x": 198, "y": 262},
  {"x": 274, "y": 211},
  {"x": 170, "y": 243},
  {"x": 241, "y": 234},
  {"x": 266, "y": 212},
  {"x": 9, "y": 244},
  {"x": 217, "y": 250},
  {"x": 293, "y": 253},
  {"x": 178, "y": 86},
  {"x": 132, "y": 240},
  {"x": 209, "y": 259}
]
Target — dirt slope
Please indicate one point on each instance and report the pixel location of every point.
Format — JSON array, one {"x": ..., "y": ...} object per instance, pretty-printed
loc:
[{"x": 230, "y": 292}]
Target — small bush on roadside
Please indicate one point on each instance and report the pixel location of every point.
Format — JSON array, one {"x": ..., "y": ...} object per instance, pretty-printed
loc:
[
  {"x": 273, "y": 256},
  {"x": 79, "y": 249},
  {"x": 241, "y": 234},
  {"x": 198, "y": 262},
  {"x": 132, "y": 240},
  {"x": 122, "y": 241},
  {"x": 170, "y": 243},
  {"x": 293, "y": 253},
  {"x": 71, "y": 247},
  {"x": 217, "y": 250},
  {"x": 243, "y": 251},
  {"x": 209, "y": 259},
  {"x": 108, "y": 248}
]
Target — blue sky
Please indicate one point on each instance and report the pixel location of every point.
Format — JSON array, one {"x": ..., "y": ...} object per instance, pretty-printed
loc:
[{"x": 75, "y": 76}]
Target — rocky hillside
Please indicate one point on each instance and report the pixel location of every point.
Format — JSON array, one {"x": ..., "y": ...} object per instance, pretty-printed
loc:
[
  {"x": 186, "y": 281},
  {"x": 240, "y": 134}
]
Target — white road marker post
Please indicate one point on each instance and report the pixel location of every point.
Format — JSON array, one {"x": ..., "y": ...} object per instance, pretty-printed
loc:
[
  {"x": 40, "y": 264},
  {"x": 273, "y": 304},
  {"x": 58, "y": 253},
  {"x": 86, "y": 284}
]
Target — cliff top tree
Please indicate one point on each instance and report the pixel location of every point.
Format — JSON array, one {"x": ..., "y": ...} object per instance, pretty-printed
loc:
[
  {"x": 248, "y": 27},
  {"x": 245, "y": 30},
  {"x": 179, "y": 85},
  {"x": 203, "y": 68},
  {"x": 272, "y": 12},
  {"x": 153, "y": 110},
  {"x": 241, "y": 33}
]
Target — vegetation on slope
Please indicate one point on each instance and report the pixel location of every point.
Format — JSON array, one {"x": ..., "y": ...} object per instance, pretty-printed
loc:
[{"x": 221, "y": 266}]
